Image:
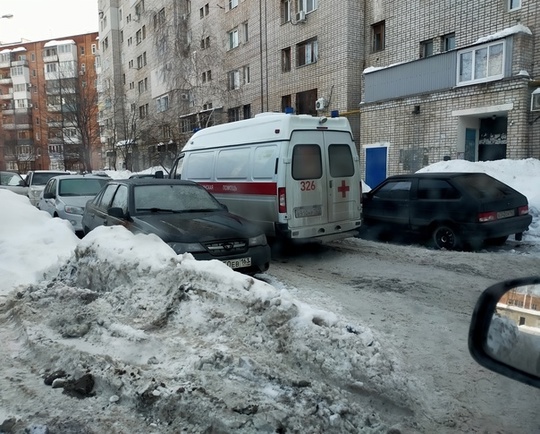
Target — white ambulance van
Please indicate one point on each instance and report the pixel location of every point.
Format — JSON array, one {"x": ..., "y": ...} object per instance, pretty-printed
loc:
[{"x": 297, "y": 176}]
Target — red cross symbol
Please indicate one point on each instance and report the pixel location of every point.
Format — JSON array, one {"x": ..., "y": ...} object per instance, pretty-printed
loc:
[{"x": 343, "y": 189}]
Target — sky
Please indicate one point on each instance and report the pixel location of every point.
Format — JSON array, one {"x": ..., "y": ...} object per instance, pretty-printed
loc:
[
  {"x": 167, "y": 333},
  {"x": 37, "y": 20}
]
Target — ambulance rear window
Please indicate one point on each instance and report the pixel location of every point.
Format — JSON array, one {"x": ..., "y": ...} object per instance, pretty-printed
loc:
[
  {"x": 341, "y": 161},
  {"x": 306, "y": 162}
]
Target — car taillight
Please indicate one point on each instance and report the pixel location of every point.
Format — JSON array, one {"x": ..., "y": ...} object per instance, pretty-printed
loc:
[
  {"x": 523, "y": 210},
  {"x": 282, "y": 204},
  {"x": 487, "y": 216}
]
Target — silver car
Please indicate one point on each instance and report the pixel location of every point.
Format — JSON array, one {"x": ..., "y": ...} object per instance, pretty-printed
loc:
[
  {"x": 66, "y": 196},
  {"x": 36, "y": 180},
  {"x": 13, "y": 181}
]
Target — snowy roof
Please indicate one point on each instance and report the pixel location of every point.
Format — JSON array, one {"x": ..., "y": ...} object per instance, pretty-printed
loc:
[
  {"x": 54, "y": 43},
  {"x": 518, "y": 28},
  {"x": 18, "y": 49}
]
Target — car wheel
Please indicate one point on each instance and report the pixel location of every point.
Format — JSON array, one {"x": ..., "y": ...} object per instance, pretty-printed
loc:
[{"x": 445, "y": 237}]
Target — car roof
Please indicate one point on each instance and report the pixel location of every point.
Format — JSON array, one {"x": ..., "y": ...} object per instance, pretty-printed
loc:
[
  {"x": 60, "y": 177},
  {"x": 435, "y": 175},
  {"x": 154, "y": 181}
]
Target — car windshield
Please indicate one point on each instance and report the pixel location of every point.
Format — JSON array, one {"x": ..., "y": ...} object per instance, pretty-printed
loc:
[
  {"x": 175, "y": 198},
  {"x": 42, "y": 178},
  {"x": 12, "y": 179},
  {"x": 81, "y": 186}
]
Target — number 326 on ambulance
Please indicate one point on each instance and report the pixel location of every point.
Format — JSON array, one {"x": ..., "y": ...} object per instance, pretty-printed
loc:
[{"x": 297, "y": 176}]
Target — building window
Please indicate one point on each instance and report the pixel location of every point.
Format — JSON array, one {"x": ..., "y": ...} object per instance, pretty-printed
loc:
[
  {"x": 233, "y": 39},
  {"x": 233, "y": 114},
  {"x": 159, "y": 18},
  {"x": 286, "y": 103},
  {"x": 205, "y": 43},
  {"x": 138, "y": 36},
  {"x": 286, "y": 59},
  {"x": 449, "y": 42},
  {"x": 306, "y": 5},
  {"x": 162, "y": 103},
  {"x": 482, "y": 63},
  {"x": 285, "y": 11},
  {"x": 514, "y": 5},
  {"x": 426, "y": 48},
  {"x": 246, "y": 32},
  {"x": 233, "y": 4},
  {"x": 246, "y": 74},
  {"x": 233, "y": 79},
  {"x": 143, "y": 111},
  {"x": 247, "y": 111},
  {"x": 377, "y": 31},
  {"x": 307, "y": 52}
]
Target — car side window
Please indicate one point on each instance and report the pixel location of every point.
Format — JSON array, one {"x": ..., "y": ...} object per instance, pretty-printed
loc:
[
  {"x": 51, "y": 187},
  {"x": 394, "y": 190},
  {"x": 105, "y": 199},
  {"x": 436, "y": 189},
  {"x": 120, "y": 199}
]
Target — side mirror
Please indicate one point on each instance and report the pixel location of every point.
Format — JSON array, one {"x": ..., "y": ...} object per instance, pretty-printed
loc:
[
  {"x": 48, "y": 195},
  {"x": 158, "y": 174},
  {"x": 504, "y": 335},
  {"x": 116, "y": 212}
]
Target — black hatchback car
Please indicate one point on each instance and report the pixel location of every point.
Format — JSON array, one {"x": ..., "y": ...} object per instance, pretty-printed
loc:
[
  {"x": 449, "y": 210},
  {"x": 184, "y": 215}
]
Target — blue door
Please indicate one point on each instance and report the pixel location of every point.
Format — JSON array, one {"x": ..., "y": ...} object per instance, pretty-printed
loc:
[{"x": 375, "y": 165}]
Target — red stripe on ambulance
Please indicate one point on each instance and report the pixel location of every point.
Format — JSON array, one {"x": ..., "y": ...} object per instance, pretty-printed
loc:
[{"x": 260, "y": 188}]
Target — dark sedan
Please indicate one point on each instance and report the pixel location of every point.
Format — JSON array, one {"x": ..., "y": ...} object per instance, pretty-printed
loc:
[
  {"x": 451, "y": 210},
  {"x": 184, "y": 215}
]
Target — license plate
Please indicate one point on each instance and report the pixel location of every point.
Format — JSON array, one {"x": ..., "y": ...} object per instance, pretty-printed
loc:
[
  {"x": 238, "y": 263},
  {"x": 505, "y": 214},
  {"x": 308, "y": 211}
]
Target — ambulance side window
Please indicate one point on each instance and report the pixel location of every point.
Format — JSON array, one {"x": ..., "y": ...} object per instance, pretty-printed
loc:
[
  {"x": 200, "y": 166},
  {"x": 233, "y": 164},
  {"x": 264, "y": 162},
  {"x": 306, "y": 162},
  {"x": 341, "y": 161}
]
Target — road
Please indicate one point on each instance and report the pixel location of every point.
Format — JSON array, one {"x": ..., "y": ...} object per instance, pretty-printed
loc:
[{"x": 419, "y": 303}]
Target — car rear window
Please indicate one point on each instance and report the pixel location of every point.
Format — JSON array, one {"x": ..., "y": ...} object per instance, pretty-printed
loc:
[
  {"x": 81, "y": 187},
  {"x": 481, "y": 186},
  {"x": 42, "y": 178},
  {"x": 341, "y": 161}
]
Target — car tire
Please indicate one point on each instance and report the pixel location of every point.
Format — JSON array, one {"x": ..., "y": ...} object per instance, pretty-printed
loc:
[{"x": 445, "y": 237}]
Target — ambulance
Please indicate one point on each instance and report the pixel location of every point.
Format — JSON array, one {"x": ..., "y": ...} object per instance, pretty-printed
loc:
[{"x": 297, "y": 176}]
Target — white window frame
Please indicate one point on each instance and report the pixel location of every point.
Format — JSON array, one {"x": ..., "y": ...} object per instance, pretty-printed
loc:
[
  {"x": 473, "y": 53},
  {"x": 514, "y": 5},
  {"x": 233, "y": 4},
  {"x": 246, "y": 74},
  {"x": 233, "y": 39},
  {"x": 285, "y": 11},
  {"x": 307, "y": 6},
  {"x": 234, "y": 79},
  {"x": 311, "y": 52}
]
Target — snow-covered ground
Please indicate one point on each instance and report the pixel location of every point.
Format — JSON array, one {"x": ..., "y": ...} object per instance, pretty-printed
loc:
[{"x": 115, "y": 333}]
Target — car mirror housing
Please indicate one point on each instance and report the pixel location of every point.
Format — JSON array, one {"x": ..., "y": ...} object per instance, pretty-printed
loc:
[
  {"x": 159, "y": 174},
  {"x": 48, "y": 195},
  {"x": 504, "y": 334},
  {"x": 116, "y": 212}
]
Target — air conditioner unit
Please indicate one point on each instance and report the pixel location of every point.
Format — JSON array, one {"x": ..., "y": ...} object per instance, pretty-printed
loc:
[
  {"x": 30, "y": 105},
  {"x": 185, "y": 96},
  {"x": 81, "y": 72},
  {"x": 301, "y": 17},
  {"x": 137, "y": 18},
  {"x": 320, "y": 104},
  {"x": 535, "y": 100}
]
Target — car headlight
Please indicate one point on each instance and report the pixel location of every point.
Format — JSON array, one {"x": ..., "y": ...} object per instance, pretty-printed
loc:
[
  {"x": 180, "y": 248},
  {"x": 35, "y": 193},
  {"x": 74, "y": 209},
  {"x": 259, "y": 240}
]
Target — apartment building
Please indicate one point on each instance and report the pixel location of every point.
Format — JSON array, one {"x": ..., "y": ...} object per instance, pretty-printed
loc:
[
  {"x": 449, "y": 79},
  {"x": 171, "y": 67},
  {"x": 48, "y": 105},
  {"x": 420, "y": 81}
]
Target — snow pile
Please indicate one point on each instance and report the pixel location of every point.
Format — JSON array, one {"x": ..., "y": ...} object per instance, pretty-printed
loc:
[{"x": 171, "y": 344}]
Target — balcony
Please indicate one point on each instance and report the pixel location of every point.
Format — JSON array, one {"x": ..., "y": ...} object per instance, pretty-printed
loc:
[
  {"x": 17, "y": 126},
  {"x": 6, "y": 80},
  {"x": 19, "y": 63},
  {"x": 6, "y": 96}
]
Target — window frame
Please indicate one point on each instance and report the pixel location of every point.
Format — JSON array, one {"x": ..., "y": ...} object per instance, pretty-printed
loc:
[
  {"x": 378, "y": 44},
  {"x": 310, "y": 46},
  {"x": 233, "y": 38},
  {"x": 514, "y": 5},
  {"x": 473, "y": 52}
]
